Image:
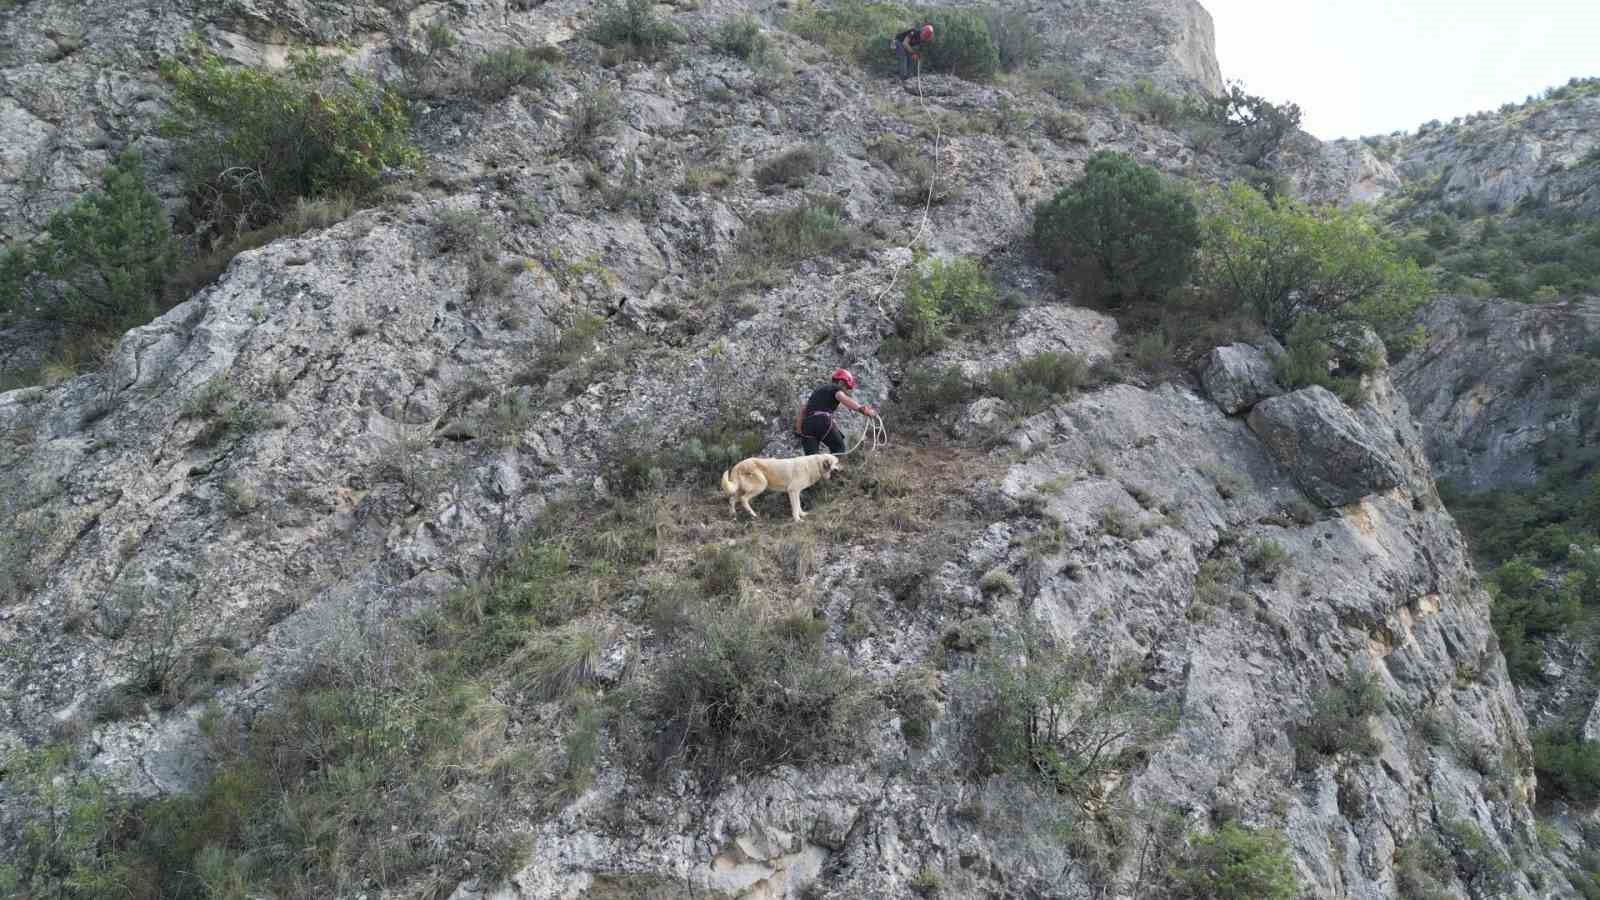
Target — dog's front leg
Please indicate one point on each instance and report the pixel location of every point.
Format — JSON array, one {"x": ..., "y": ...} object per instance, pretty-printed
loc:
[{"x": 794, "y": 504}]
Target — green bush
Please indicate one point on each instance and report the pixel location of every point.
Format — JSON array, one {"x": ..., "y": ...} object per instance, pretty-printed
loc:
[
  {"x": 1033, "y": 384},
  {"x": 926, "y": 392},
  {"x": 67, "y": 831},
  {"x": 1567, "y": 765},
  {"x": 252, "y": 142},
  {"x": 770, "y": 241},
  {"x": 814, "y": 228},
  {"x": 1310, "y": 358},
  {"x": 1235, "y": 861},
  {"x": 743, "y": 699},
  {"x": 1146, "y": 102},
  {"x": 1253, "y": 124},
  {"x": 1266, "y": 557},
  {"x": 839, "y": 28},
  {"x": 1016, "y": 37},
  {"x": 741, "y": 36},
  {"x": 498, "y": 73},
  {"x": 1122, "y": 230},
  {"x": 962, "y": 45},
  {"x": 792, "y": 167},
  {"x": 595, "y": 115},
  {"x": 1030, "y": 719},
  {"x": 1338, "y": 720},
  {"x": 633, "y": 26},
  {"x": 1284, "y": 259},
  {"x": 1525, "y": 606},
  {"x": 940, "y": 296},
  {"x": 102, "y": 264},
  {"x": 1422, "y": 868}
]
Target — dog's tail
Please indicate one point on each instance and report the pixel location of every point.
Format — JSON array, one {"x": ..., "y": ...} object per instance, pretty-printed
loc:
[{"x": 728, "y": 487}]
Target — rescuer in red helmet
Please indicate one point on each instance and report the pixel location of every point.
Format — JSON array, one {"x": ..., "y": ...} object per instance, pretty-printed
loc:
[
  {"x": 907, "y": 43},
  {"x": 815, "y": 423}
]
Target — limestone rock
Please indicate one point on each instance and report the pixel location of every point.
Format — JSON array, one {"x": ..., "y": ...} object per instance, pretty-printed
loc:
[
  {"x": 1330, "y": 453},
  {"x": 1238, "y": 376}
]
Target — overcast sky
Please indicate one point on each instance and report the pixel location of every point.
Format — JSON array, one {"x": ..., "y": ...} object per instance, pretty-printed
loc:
[{"x": 1360, "y": 67}]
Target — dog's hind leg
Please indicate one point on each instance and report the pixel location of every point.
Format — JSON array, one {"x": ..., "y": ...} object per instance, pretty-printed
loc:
[{"x": 761, "y": 485}]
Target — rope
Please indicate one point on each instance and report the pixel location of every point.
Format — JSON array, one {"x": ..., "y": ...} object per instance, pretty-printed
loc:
[
  {"x": 927, "y": 200},
  {"x": 875, "y": 431}
]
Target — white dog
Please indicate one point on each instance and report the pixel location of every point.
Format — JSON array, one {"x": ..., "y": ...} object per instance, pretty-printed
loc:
[{"x": 756, "y": 474}]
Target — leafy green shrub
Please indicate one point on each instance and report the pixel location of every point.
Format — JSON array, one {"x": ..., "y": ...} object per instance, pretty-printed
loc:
[
  {"x": 67, "y": 832},
  {"x": 1151, "y": 352},
  {"x": 1066, "y": 126},
  {"x": 1422, "y": 868},
  {"x": 595, "y": 115},
  {"x": 253, "y": 141},
  {"x": 634, "y": 27},
  {"x": 1477, "y": 859},
  {"x": 1284, "y": 259},
  {"x": 1309, "y": 358},
  {"x": 1235, "y": 861},
  {"x": 1524, "y": 607},
  {"x": 839, "y": 28},
  {"x": 1228, "y": 482},
  {"x": 962, "y": 45},
  {"x": 1016, "y": 37},
  {"x": 1567, "y": 765},
  {"x": 498, "y": 73},
  {"x": 927, "y": 392},
  {"x": 742, "y": 699},
  {"x": 1030, "y": 719},
  {"x": 1251, "y": 123},
  {"x": 1036, "y": 382},
  {"x": 792, "y": 167},
  {"x": 1146, "y": 102},
  {"x": 814, "y": 228},
  {"x": 941, "y": 295},
  {"x": 1061, "y": 81},
  {"x": 101, "y": 264},
  {"x": 1266, "y": 557},
  {"x": 1121, "y": 229},
  {"x": 1338, "y": 721},
  {"x": 741, "y": 36}
]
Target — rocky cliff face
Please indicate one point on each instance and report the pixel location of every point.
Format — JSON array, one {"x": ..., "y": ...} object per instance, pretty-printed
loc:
[
  {"x": 345, "y": 428},
  {"x": 1502, "y": 387},
  {"x": 1169, "y": 42}
]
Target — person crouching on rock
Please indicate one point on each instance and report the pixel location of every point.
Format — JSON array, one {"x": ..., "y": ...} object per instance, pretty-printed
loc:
[
  {"x": 907, "y": 43},
  {"x": 815, "y": 424}
]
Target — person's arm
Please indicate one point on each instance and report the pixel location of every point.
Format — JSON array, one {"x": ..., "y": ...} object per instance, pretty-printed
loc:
[
  {"x": 799, "y": 417},
  {"x": 850, "y": 404}
]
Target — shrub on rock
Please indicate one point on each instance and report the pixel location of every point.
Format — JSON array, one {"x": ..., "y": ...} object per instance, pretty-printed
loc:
[{"x": 1122, "y": 231}]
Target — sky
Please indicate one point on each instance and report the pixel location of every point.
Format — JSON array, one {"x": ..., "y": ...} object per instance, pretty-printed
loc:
[{"x": 1364, "y": 67}]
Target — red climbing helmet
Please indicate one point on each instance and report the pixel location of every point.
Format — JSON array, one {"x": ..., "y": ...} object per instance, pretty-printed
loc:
[
  {"x": 927, "y": 32},
  {"x": 845, "y": 376}
]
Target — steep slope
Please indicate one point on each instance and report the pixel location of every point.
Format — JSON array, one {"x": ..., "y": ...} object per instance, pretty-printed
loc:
[
  {"x": 306, "y": 476},
  {"x": 1503, "y": 388}
]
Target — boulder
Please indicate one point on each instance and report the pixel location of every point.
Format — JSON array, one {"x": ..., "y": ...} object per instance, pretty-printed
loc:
[
  {"x": 1330, "y": 454},
  {"x": 1238, "y": 377}
]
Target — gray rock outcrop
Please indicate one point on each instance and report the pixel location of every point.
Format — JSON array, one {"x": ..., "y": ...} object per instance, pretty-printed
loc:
[
  {"x": 1500, "y": 386},
  {"x": 1332, "y": 455},
  {"x": 1238, "y": 377}
]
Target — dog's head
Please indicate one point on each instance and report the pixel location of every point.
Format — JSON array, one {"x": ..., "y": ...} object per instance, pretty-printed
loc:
[{"x": 830, "y": 464}]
